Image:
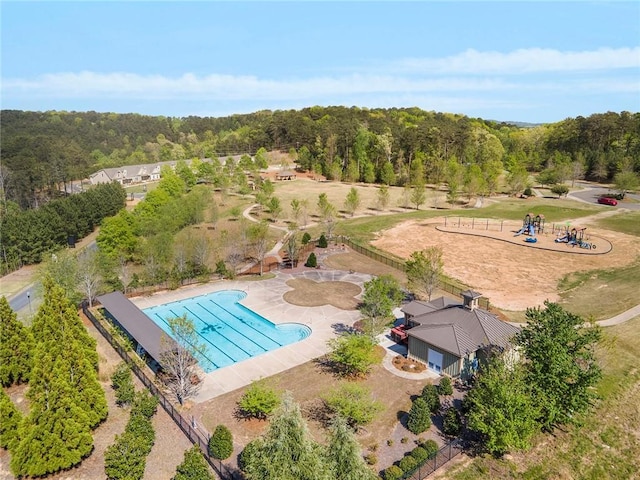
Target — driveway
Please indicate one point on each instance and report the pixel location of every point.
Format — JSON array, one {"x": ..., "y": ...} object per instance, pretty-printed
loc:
[{"x": 591, "y": 194}]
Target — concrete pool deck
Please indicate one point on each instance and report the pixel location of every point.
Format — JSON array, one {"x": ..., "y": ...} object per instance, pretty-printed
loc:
[{"x": 265, "y": 297}]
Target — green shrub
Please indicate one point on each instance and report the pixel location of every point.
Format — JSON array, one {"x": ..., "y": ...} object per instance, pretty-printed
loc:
[
  {"x": 144, "y": 404},
  {"x": 431, "y": 448},
  {"x": 528, "y": 192},
  {"x": 420, "y": 454},
  {"x": 221, "y": 443},
  {"x": 306, "y": 238},
  {"x": 122, "y": 383},
  {"x": 354, "y": 403},
  {"x": 408, "y": 464},
  {"x": 445, "y": 387},
  {"x": 258, "y": 401},
  {"x": 404, "y": 439},
  {"x": 322, "y": 241},
  {"x": 430, "y": 396},
  {"x": 312, "y": 261},
  {"x": 393, "y": 473},
  {"x": 371, "y": 459},
  {"x": 419, "y": 416},
  {"x": 390, "y": 442},
  {"x": 451, "y": 424}
]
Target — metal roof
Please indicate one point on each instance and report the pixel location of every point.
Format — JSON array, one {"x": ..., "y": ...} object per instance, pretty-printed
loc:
[
  {"x": 466, "y": 329},
  {"x": 149, "y": 335}
]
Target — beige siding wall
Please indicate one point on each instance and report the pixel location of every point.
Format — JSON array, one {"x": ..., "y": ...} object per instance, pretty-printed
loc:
[{"x": 419, "y": 350}]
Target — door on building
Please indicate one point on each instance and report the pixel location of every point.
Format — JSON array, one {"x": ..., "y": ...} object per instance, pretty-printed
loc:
[{"x": 435, "y": 361}]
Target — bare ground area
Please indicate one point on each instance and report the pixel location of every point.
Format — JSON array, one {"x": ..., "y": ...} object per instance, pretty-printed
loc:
[
  {"x": 308, "y": 293},
  {"x": 513, "y": 277}
]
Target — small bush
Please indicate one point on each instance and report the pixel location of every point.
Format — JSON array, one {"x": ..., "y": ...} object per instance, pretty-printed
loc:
[
  {"x": 312, "y": 261},
  {"x": 306, "y": 238},
  {"x": 393, "y": 473},
  {"x": 371, "y": 459},
  {"x": 445, "y": 387},
  {"x": 420, "y": 454},
  {"x": 431, "y": 448},
  {"x": 404, "y": 439},
  {"x": 390, "y": 442},
  {"x": 528, "y": 192},
  {"x": 258, "y": 401},
  {"x": 322, "y": 241},
  {"x": 144, "y": 404},
  {"x": 430, "y": 396},
  {"x": 373, "y": 447},
  {"x": 451, "y": 424},
  {"x": 122, "y": 383},
  {"x": 408, "y": 464}
]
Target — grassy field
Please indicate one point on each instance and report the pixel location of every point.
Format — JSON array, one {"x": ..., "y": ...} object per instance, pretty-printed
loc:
[
  {"x": 626, "y": 222},
  {"x": 604, "y": 446},
  {"x": 601, "y": 293}
]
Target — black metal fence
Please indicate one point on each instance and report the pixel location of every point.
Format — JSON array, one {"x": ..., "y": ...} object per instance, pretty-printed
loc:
[
  {"x": 196, "y": 437},
  {"x": 444, "y": 283},
  {"x": 442, "y": 456}
]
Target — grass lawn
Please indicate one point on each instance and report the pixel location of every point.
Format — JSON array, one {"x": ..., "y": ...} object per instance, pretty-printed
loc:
[
  {"x": 626, "y": 222},
  {"x": 601, "y": 293},
  {"x": 605, "y": 446}
]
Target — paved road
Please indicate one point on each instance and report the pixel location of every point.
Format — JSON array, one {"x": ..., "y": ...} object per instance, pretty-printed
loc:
[
  {"x": 591, "y": 195},
  {"x": 23, "y": 299}
]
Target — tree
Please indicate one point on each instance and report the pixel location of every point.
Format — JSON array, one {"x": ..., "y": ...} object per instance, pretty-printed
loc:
[
  {"x": 325, "y": 208},
  {"x": 274, "y": 208},
  {"x": 322, "y": 241},
  {"x": 381, "y": 295},
  {"x": 286, "y": 450},
  {"x": 501, "y": 407},
  {"x": 353, "y": 402},
  {"x": 452, "y": 423},
  {"x": 430, "y": 396},
  {"x": 445, "y": 387},
  {"x": 453, "y": 177},
  {"x": 258, "y": 401},
  {"x": 221, "y": 443},
  {"x": 293, "y": 250},
  {"x": 89, "y": 277},
  {"x": 561, "y": 365},
  {"x": 352, "y": 202},
  {"x": 517, "y": 178},
  {"x": 312, "y": 261},
  {"x": 382, "y": 199},
  {"x": 473, "y": 180},
  {"x": 122, "y": 383},
  {"x": 258, "y": 236},
  {"x": 180, "y": 357},
  {"x": 344, "y": 459},
  {"x": 296, "y": 209},
  {"x": 559, "y": 189},
  {"x": 626, "y": 181},
  {"x": 353, "y": 354},
  {"x": 193, "y": 467},
  {"x": 418, "y": 195},
  {"x": 306, "y": 238},
  {"x": 387, "y": 175},
  {"x": 16, "y": 347},
  {"x": 11, "y": 419},
  {"x": 424, "y": 269},
  {"x": 419, "y": 419},
  {"x": 125, "y": 459}
]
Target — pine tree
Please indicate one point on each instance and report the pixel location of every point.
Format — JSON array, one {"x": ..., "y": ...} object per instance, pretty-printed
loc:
[
  {"x": 286, "y": 450},
  {"x": 10, "y": 421},
  {"x": 16, "y": 345},
  {"x": 221, "y": 443},
  {"x": 419, "y": 416},
  {"x": 56, "y": 433},
  {"x": 193, "y": 467},
  {"x": 344, "y": 456}
]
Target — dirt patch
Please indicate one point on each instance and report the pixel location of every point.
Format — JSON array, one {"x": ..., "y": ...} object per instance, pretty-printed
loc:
[
  {"x": 511, "y": 276},
  {"x": 308, "y": 293}
]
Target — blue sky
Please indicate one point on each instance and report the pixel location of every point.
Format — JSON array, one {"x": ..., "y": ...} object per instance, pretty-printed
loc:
[{"x": 525, "y": 61}]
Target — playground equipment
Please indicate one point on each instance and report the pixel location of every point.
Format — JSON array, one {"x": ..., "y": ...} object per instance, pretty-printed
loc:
[
  {"x": 531, "y": 225},
  {"x": 574, "y": 236}
]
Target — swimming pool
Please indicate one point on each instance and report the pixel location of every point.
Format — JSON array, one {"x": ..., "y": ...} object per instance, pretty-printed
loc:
[{"x": 231, "y": 332}]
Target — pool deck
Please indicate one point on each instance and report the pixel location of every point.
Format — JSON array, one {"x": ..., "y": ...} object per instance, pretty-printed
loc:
[{"x": 265, "y": 297}]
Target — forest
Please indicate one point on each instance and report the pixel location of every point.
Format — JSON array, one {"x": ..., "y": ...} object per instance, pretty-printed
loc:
[{"x": 42, "y": 152}]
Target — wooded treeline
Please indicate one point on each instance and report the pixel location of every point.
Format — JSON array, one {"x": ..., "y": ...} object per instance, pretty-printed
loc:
[{"x": 43, "y": 151}]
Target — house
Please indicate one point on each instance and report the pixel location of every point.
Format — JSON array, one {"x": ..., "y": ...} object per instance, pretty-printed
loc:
[
  {"x": 128, "y": 175},
  {"x": 450, "y": 337}
]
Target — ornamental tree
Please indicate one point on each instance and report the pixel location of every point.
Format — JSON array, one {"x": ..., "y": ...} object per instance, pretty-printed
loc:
[
  {"x": 221, "y": 443},
  {"x": 16, "y": 346},
  {"x": 353, "y": 354},
  {"x": 258, "y": 401},
  {"x": 419, "y": 416},
  {"x": 424, "y": 269},
  {"x": 344, "y": 456},
  {"x": 381, "y": 295},
  {"x": 354, "y": 403},
  {"x": 193, "y": 467}
]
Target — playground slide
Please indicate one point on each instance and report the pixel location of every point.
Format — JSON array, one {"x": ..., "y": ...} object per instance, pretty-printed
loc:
[
  {"x": 562, "y": 239},
  {"x": 521, "y": 231}
]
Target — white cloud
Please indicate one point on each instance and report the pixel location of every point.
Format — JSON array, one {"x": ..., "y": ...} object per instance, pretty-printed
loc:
[{"x": 524, "y": 61}]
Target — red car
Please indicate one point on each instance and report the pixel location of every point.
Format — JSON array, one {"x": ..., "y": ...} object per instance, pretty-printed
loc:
[{"x": 608, "y": 201}]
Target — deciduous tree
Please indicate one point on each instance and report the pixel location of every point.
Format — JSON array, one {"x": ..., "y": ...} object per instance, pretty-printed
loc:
[
  {"x": 352, "y": 202},
  {"x": 259, "y": 400},
  {"x": 353, "y": 354},
  {"x": 424, "y": 269},
  {"x": 381, "y": 295},
  {"x": 354, "y": 403}
]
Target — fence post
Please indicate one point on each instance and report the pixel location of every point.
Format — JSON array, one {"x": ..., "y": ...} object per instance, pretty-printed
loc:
[{"x": 487, "y": 224}]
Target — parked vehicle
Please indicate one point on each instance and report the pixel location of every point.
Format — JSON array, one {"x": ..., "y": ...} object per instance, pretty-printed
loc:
[{"x": 608, "y": 201}]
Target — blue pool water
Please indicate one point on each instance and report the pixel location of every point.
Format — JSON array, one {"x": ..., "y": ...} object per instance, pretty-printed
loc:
[{"x": 230, "y": 331}]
